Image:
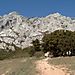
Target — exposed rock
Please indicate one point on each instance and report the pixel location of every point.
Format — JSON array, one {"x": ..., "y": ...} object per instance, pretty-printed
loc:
[{"x": 20, "y": 31}]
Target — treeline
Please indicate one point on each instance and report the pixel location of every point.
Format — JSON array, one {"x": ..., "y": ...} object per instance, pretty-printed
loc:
[{"x": 58, "y": 43}]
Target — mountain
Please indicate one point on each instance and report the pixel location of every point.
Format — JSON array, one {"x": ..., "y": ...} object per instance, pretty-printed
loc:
[{"x": 19, "y": 31}]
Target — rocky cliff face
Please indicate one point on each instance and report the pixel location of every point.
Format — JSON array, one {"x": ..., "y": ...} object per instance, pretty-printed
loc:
[{"x": 19, "y": 31}]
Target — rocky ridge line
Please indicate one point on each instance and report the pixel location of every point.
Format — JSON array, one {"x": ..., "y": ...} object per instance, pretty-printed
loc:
[{"x": 20, "y": 31}]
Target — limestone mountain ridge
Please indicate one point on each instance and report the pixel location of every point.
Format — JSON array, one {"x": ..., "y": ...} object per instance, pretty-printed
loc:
[{"x": 17, "y": 30}]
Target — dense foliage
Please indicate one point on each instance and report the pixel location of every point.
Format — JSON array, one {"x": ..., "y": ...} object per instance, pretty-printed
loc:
[
  {"x": 36, "y": 44},
  {"x": 60, "y": 43}
]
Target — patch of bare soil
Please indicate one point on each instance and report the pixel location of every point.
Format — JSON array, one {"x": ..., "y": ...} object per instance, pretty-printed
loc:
[{"x": 46, "y": 69}]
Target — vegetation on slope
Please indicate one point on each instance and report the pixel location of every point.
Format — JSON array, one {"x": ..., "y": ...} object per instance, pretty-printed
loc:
[{"x": 58, "y": 43}]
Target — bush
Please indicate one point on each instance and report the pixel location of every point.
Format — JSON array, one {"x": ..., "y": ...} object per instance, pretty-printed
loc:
[
  {"x": 26, "y": 52},
  {"x": 31, "y": 51},
  {"x": 36, "y": 45},
  {"x": 39, "y": 54},
  {"x": 60, "y": 42},
  {"x": 5, "y": 55}
]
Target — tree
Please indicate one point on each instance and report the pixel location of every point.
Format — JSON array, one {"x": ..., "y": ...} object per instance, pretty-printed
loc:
[
  {"x": 60, "y": 42},
  {"x": 36, "y": 45}
]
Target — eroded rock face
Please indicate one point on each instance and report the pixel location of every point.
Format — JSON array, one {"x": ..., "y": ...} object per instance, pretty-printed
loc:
[{"x": 20, "y": 31}]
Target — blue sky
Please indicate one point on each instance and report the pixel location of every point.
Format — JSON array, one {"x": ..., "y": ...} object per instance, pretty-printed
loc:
[{"x": 40, "y": 8}]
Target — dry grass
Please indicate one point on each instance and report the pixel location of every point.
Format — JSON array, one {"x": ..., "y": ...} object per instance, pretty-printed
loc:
[
  {"x": 68, "y": 62},
  {"x": 18, "y": 66}
]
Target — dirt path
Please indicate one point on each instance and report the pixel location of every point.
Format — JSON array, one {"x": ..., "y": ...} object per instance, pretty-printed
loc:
[{"x": 45, "y": 69}]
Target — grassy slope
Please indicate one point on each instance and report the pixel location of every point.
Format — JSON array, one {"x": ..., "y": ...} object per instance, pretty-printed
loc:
[
  {"x": 18, "y": 53},
  {"x": 69, "y": 62},
  {"x": 18, "y": 66}
]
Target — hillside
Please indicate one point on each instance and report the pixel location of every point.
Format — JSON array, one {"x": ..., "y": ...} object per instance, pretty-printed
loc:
[{"x": 19, "y": 31}]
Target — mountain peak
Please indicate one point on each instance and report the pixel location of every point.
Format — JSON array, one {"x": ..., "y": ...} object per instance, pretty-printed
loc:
[
  {"x": 20, "y": 31},
  {"x": 54, "y": 15},
  {"x": 57, "y": 14},
  {"x": 13, "y": 13}
]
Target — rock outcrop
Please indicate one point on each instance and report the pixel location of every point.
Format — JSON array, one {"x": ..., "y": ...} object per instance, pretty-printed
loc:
[{"x": 19, "y": 31}]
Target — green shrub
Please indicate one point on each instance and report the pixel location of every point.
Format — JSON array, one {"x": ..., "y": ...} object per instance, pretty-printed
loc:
[
  {"x": 31, "y": 52},
  {"x": 18, "y": 53},
  {"x": 39, "y": 54},
  {"x": 36, "y": 45},
  {"x": 59, "y": 42},
  {"x": 5, "y": 55}
]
